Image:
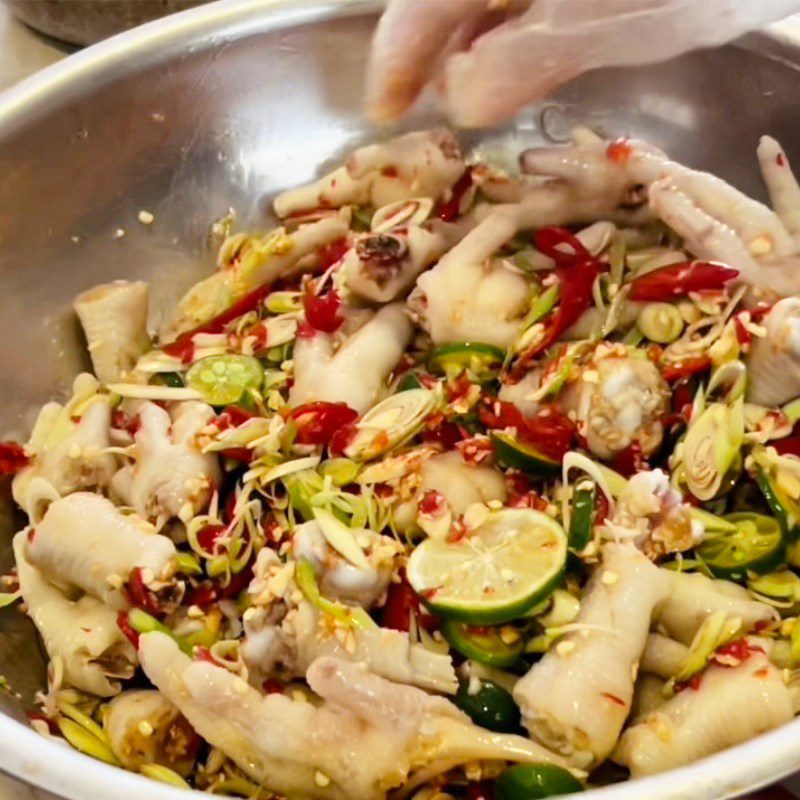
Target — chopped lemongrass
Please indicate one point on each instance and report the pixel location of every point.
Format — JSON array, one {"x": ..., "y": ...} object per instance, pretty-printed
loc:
[
  {"x": 268, "y": 475},
  {"x": 158, "y": 772},
  {"x": 792, "y": 411},
  {"x": 660, "y": 322},
  {"x": 390, "y": 423},
  {"x": 341, "y": 538},
  {"x": 306, "y": 579},
  {"x": 141, "y": 391},
  {"x": 86, "y": 742}
]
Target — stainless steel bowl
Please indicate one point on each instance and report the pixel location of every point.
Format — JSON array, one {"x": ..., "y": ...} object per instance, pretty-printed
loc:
[
  {"x": 88, "y": 21},
  {"x": 220, "y": 107}
]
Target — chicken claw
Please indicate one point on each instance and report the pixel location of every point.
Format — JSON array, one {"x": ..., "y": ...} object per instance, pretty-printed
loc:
[{"x": 365, "y": 738}]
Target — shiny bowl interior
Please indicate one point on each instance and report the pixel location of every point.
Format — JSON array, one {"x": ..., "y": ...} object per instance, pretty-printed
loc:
[{"x": 219, "y": 108}]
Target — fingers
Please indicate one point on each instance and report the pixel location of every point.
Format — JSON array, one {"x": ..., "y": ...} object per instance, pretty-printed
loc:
[
  {"x": 556, "y": 40},
  {"x": 409, "y": 41}
]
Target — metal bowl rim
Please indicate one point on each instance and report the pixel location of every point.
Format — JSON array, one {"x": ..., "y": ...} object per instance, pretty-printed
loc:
[{"x": 50, "y": 765}]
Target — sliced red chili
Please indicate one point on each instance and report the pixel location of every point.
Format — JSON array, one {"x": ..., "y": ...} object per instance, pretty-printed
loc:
[
  {"x": 619, "y": 151},
  {"x": 682, "y": 398},
  {"x": 127, "y": 629},
  {"x": 242, "y": 454},
  {"x": 316, "y": 423},
  {"x": 550, "y": 431},
  {"x": 238, "y": 583},
  {"x": 233, "y": 417},
  {"x": 677, "y": 280},
  {"x": 790, "y": 446},
  {"x": 450, "y": 210},
  {"x": 183, "y": 347},
  {"x": 209, "y": 535},
  {"x": 439, "y": 430},
  {"x": 601, "y": 508},
  {"x": 202, "y": 595},
  {"x": 329, "y": 254},
  {"x": 38, "y": 716},
  {"x": 341, "y": 439},
  {"x": 576, "y": 270},
  {"x": 322, "y": 311},
  {"x": 685, "y": 369},
  {"x": 743, "y": 336},
  {"x": 401, "y": 603},
  {"x": 12, "y": 458},
  {"x": 140, "y": 596},
  {"x": 630, "y": 460}
]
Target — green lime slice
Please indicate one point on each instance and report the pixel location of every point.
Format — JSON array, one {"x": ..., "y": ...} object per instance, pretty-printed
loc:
[
  {"x": 223, "y": 380},
  {"x": 495, "y": 573},
  {"x": 481, "y": 360},
  {"x": 581, "y": 525},
  {"x": 482, "y": 643},
  {"x": 490, "y": 707},
  {"x": 510, "y": 452},
  {"x": 755, "y": 545},
  {"x": 784, "y": 508},
  {"x": 535, "y": 781},
  {"x": 409, "y": 381}
]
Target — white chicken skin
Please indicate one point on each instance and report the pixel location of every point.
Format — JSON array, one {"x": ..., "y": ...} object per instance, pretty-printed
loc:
[
  {"x": 366, "y": 737},
  {"x": 85, "y": 541},
  {"x": 729, "y": 706},
  {"x": 465, "y": 298},
  {"x": 576, "y": 699},
  {"x": 773, "y": 363},
  {"x": 356, "y": 373},
  {"x": 616, "y": 401},
  {"x": 69, "y": 454},
  {"x": 419, "y": 164},
  {"x": 170, "y": 476}
]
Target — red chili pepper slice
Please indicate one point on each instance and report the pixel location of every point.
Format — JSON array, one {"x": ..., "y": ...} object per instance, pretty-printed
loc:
[
  {"x": 316, "y": 423},
  {"x": 439, "y": 430},
  {"x": 208, "y": 536},
  {"x": 341, "y": 439},
  {"x": 329, "y": 254},
  {"x": 450, "y": 210},
  {"x": 202, "y": 595},
  {"x": 601, "y": 508},
  {"x": 576, "y": 270},
  {"x": 127, "y": 629},
  {"x": 322, "y": 312},
  {"x": 743, "y": 336},
  {"x": 140, "y": 596},
  {"x": 38, "y": 716},
  {"x": 238, "y": 583},
  {"x": 183, "y": 347},
  {"x": 12, "y": 458},
  {"x": 619, "y": 151},
  {"x": 233, "y": 417},
  {"x": 685, "y": 369},
  {"x": 561, "y": 245},
  {"x": 676, "y": 280},
  {"x": 630, "y": 460},
  {"x": 401, "y": 603},
  {"x": 790, "y": 446},
  {"x": 550, "y": 431}
]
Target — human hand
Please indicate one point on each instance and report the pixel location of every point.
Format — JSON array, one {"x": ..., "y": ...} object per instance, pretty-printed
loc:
[{"x": 489, "y": 58}]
